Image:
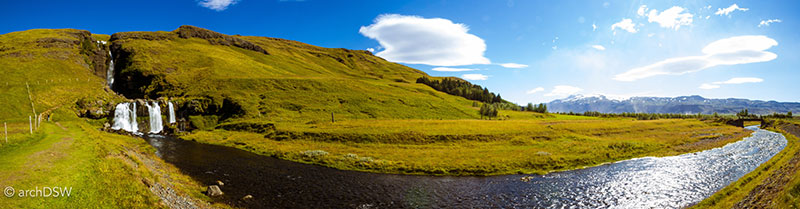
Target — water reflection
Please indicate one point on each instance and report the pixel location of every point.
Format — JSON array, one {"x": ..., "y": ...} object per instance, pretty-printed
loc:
[{"x": 650, "y": 182}]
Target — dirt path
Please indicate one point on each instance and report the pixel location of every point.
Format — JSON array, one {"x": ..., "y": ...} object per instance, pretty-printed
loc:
[{"x": 763, "y": 194}]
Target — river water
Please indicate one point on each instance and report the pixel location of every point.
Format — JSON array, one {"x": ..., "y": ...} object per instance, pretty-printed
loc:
[{"x": 649, "y": 182}]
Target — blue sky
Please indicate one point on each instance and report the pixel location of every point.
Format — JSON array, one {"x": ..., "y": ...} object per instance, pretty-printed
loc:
[{"x": 550, "y": 49}]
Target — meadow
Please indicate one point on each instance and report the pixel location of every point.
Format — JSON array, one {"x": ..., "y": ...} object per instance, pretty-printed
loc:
[{"x": 536, "y": 144}]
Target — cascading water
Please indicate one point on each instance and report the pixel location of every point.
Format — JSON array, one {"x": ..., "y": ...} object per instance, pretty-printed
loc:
[
  {"x": 110, "y": 73},
  {"x": 125, "y": 117},
  {"x": 171, "y": 113},
  {"x": 155, "y": 117}
]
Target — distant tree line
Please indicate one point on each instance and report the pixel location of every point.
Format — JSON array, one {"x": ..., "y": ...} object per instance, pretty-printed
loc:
[
  {"x": 778, "y": 115},
  {"x": 462, "y": 88},
  {"x": 541, "y": 108},
  {"x": 654, "y": 116}
]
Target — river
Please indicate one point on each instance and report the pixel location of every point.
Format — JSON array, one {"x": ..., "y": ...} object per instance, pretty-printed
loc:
[{"x": 648, "y": 182}]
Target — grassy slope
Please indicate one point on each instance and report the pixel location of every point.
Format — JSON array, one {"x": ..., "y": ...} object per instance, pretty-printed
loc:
[
  {"x": 56, "y": 72},
  {"x": 296, "y": 82},
  {"x": 100, "y": 168},
  {"x": 782, "y": 194}
]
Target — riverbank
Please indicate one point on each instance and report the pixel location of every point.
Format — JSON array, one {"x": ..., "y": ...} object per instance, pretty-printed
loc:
[
  {"x": 774, "y": 184},
  {"x": 100, "y": 169},
  {"x": 535, "y": 145}
]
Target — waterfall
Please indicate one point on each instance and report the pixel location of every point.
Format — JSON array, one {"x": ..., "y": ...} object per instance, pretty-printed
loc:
[
  {"x": 155, "y": 117},
  {"x": 110, "y": 73},
  {"x": 134, "y": 124},
  {"x": 125, "y": 117},
  {"x": 171, "y": 113}
]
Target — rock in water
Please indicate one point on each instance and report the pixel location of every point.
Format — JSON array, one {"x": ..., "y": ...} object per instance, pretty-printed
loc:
[
  {"x": 247, "y": 197},
  {"x": 220, "y": 183},
  {"x": 214, "y": 191}
]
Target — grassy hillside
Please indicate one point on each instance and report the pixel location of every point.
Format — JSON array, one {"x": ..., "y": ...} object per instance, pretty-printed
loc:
[
  {"x": 60, "y": 67},
  {"x": 273, "y": 79}
]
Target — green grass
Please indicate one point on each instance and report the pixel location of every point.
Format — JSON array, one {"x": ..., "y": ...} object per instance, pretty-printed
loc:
[
  {"x": 475, "y": 147},
  {"x": 296, "y": 82},
  {"x": 93, "y": 164},
  {"x": 56, "y": 72}
]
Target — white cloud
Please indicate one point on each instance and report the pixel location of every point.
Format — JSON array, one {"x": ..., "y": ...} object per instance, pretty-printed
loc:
[
  {"x": 642, "y": 10},
  {"x": 475, "y": 77},
  {"x": 625, "y": 24},
  {"x": 671, "y": 18},
  {"x": 727, "y": 11},
  {"x": 740, "y": 43},
  {"x": 371, "y": 49},
  {"x": 533, "y": 91},
  {"x": 729, "y": 51},
  {"x": 431, "y": 41},
  {"x": 767, "y": 22},
  {"x": 217, "y": 5},
  {"x": 740, "y": 80},
  {"x": 594, "y": 27},
  {"x": 599, "y": 47},
  {"x": 563, "y": 90},
  {"x": 708, "y": 86},
  {"x": 447, "y": 69},
  {"x": 513, "y": 65}
]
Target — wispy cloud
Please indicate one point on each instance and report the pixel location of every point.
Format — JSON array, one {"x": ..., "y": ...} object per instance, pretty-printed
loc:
[
  {"x": 728, "y": 51},
  {"x": 625, "y": 24},
  {"x": 430, "y": 41},
  {"x": 740, "y": 80},
  {"x": 642, "y": 10},
  {"x": 671, "y": 18},
  {"x": 727, "y": 11},
  {"x": 513, "y": 65},
  {"x": 217, "y": 5},
  {"x": 533, "y": 91},
  {"x": 708, "y": 86},
  {"x": 599, "y": 47},
  {"x": 475, "y": 77},
  {"x": 563, "y": 90},
  {"x": 447, "y": 69},
  {"x": 767, "y": 22}
]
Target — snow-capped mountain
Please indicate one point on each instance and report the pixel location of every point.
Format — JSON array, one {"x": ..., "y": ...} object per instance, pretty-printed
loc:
[{"x": 682, "y": 105}]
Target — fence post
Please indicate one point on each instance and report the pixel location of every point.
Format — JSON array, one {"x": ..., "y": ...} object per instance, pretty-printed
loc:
[
  {"x": 5, "y": 125},
  {"x": 30, "y": 124},
  {"x": 30, "y": 98}
]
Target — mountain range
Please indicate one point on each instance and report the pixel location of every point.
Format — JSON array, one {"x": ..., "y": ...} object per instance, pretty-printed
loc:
[{"x": 681, "y": 105}]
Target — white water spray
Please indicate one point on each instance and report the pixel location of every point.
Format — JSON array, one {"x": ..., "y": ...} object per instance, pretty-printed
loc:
[
  {"x": 110, "y": 73},
  {"x": 155, "y": 117},
  {"x": 171, "y": 113},
  {"x": 125, "y": 117}
]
